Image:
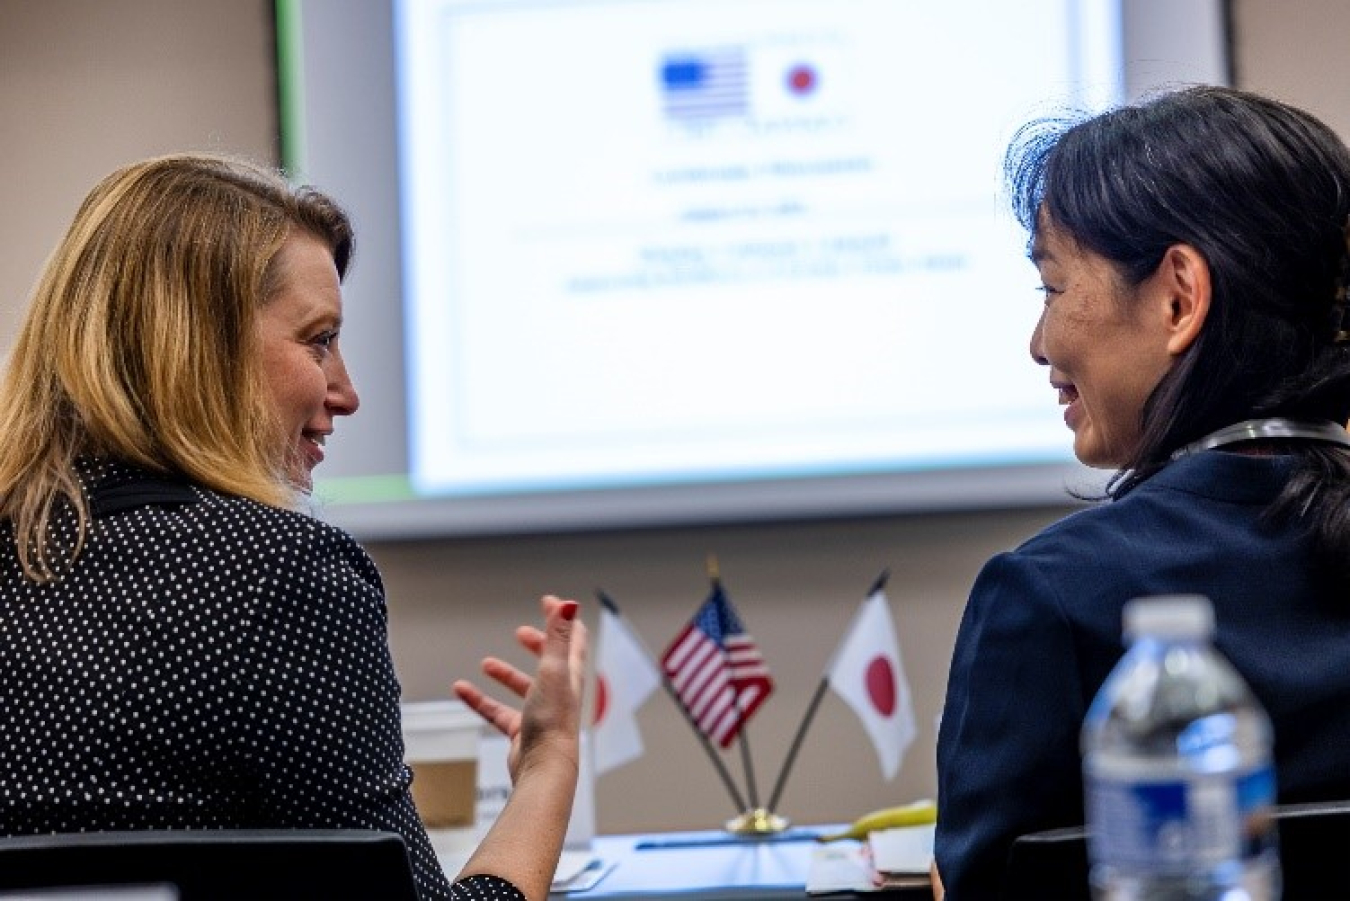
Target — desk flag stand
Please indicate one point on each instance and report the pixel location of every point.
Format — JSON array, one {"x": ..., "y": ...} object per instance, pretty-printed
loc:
[
  {"x": 754, "y": 820},
  {"x": 877, "y": 585},
  {"x": 721, "y": 768}
]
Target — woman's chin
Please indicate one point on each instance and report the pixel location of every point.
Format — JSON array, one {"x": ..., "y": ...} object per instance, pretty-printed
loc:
[
  {"x": 301, "y": 479},
  {"x": 1096, "y": 457},
  {"x": 1090, "y": 453}
]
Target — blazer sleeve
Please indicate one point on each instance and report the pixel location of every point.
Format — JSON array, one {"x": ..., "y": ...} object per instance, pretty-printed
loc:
[{"x": 1008, "y": 741}]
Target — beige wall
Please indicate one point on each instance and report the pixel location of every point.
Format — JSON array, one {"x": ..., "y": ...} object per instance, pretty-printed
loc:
[
  {"x": 1295, "y": 50},
  {"x": 795, "y": 585},
  {"x": 88, "y": 84}
]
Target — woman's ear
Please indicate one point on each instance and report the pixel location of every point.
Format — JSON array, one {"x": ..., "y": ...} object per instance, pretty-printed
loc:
[{"x": 1182, "y": 280}]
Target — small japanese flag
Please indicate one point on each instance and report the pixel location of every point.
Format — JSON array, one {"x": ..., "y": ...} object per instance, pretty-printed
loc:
[
  {"x": 866, "y": 672},
  {"x": 625, "y": 677}
]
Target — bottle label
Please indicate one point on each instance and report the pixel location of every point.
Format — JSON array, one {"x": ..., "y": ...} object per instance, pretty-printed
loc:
[{"x": 1172, "y": 823}]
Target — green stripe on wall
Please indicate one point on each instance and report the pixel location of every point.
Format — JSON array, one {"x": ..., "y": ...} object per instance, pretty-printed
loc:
[
  {"x": 364, "y": 489},
  {"x": 291, "y": 87}
]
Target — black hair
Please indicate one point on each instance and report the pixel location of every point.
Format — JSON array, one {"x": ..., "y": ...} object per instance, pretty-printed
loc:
[{"x": 1262, "y": 191}]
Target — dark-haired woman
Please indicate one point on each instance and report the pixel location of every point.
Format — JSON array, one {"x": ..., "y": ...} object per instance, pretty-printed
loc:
[{"x": 1193, "y": 256}]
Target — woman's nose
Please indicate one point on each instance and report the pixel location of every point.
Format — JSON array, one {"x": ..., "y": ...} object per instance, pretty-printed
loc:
[
  {"x": 342, "y": 397},
  {"x": 1037, "y": 334}
]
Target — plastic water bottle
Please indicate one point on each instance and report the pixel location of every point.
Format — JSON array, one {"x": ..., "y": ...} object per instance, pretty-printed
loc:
[{"x": 1177, "y": 768}]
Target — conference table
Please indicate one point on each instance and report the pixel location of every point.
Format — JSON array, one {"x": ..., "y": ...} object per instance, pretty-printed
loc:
[{"x": 714, "y": 865}]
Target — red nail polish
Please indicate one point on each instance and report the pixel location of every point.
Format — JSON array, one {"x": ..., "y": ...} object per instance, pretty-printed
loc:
[{"x": 569, "y": 610}]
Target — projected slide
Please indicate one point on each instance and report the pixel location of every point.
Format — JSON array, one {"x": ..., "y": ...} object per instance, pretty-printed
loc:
[{"x": 666, "y": 240}]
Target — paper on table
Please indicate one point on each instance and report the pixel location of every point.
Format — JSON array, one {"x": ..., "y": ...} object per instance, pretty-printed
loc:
[
  {"x": 907, "y": 849},
  {"x": 571, "y": 865},
  {"x": 839, "y": 867},
  {"x": 578, "y": 871}
]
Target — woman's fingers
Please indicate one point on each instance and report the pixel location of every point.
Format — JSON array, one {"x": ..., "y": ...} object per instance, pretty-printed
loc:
[
  {"x": 531, "y": 639},
  {"x": 565, "y": 643},
  {"x": 505, "y": 718},
  {"x": 562, "y": 659},
  {"x": 562, "y": 648},
  {"x": 516, "y": 680},
  {"x": 560, "y": 627},
  {"x": 577, "y": 655}
]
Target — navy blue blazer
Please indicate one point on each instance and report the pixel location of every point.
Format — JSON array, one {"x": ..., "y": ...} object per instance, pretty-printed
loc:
[{"x": 1042, "y": 629}]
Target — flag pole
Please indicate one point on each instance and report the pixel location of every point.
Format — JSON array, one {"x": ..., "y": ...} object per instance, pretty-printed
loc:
[
  {"x": 736, "y": 797},
  {"x": 877, "y": 585},
  {"x": 753, "y": 820},
  {"x": 750, "y": 787},
  {"x": 715, "y": 576},
  {"x": 797, "y": 741},
  {"x": 756, "y": 820}
]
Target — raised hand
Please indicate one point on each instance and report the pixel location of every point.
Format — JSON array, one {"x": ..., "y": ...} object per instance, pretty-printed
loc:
[
  {"x": 524, "y": 843},
  {"x": 549, "y": 718}
]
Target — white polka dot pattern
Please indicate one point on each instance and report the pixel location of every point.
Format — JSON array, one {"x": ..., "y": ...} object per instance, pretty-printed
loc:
[{"x": 214, "y": 663}]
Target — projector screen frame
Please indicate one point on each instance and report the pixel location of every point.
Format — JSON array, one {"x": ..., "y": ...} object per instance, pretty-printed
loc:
[{"x": 355, "y": 112}]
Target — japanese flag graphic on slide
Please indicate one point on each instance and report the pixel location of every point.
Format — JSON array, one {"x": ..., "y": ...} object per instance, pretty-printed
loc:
[{"x": 866, "y": 672}]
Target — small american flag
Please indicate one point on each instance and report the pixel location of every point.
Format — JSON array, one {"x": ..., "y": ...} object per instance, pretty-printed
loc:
[
  {"x": 717, "y": 670},
  {"x": 705, "y": 84}
]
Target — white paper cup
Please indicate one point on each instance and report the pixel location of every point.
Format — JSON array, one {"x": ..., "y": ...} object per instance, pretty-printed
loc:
[{"x": 440, "y": 744}]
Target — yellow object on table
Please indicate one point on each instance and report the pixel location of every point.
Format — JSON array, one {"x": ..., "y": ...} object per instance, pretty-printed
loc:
[{"x": 916, "y": 813}]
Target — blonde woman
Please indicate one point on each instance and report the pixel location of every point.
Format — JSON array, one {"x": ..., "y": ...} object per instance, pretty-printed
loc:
[{"x": 180, "y": 645}]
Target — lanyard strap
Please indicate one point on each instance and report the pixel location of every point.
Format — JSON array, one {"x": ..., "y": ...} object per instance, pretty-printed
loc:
[{"x": 1256, "y": 429}]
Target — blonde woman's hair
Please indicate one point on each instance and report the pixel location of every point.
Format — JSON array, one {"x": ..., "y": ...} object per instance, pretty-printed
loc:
[{"x": 140, "y": 344}]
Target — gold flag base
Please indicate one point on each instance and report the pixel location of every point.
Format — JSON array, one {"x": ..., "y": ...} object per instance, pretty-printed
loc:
[{"x": 757, "y": 822}]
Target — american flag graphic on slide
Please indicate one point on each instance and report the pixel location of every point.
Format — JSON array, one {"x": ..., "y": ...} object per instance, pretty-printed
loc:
[
  {"x": 704, "y": 84},
  {"x": 717, "y": 670}
]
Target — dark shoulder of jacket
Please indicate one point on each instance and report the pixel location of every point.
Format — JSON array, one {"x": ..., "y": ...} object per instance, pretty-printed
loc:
[{"x": 142, "y": 491}]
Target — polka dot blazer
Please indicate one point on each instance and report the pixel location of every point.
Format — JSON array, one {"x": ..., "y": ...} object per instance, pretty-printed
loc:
[{"x": 208, "y": 662}]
